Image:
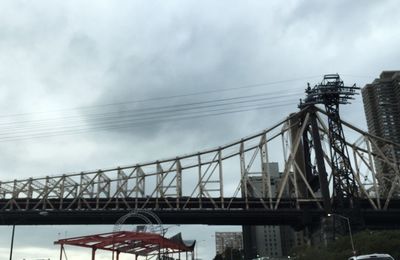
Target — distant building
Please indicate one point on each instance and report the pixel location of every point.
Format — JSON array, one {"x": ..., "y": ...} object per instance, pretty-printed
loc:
[
  {"x": 381, "y": 100},
  {"x": 269, "y": 241},
  {"x": 223, "y": 240}
]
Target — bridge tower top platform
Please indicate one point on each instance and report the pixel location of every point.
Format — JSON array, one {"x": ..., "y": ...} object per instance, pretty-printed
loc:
[{"x": 331, "y": 91}]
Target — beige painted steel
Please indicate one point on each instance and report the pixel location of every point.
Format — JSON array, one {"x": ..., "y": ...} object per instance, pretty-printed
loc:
[{"x": 206, "y": 175}]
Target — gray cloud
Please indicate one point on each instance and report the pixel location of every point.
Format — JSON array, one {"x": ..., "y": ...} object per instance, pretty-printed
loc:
[{"x": 72, "y": 54}]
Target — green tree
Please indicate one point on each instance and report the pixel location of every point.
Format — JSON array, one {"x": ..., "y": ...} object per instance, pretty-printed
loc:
[
  {"x": 366, "y": 242},
  {"x": 218, "y": 257},
  {"x": 230, "y": 254}
]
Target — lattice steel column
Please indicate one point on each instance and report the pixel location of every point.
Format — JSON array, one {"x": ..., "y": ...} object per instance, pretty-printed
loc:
[{"x": 332, "y": 92}]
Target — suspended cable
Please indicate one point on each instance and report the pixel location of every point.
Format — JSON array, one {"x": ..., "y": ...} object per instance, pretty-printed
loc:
[
  {"x": 156, "y": 109},
  {"x": 133, "y": 124},
  {"x": 89, "y": 121},
  {"x": 135, "y": 115},
  {"x": 145, "y": 116},
  {"x": 168, "y": 97}
]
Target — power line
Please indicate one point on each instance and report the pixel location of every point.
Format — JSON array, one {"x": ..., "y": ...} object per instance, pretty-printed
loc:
[
  {"x": 134, "y": 124},
  {"x": 142, "y": 116},
  {"x": 157, "y": 108},
  {"x": 104, "y": 120},
  {"x": 167, "y": 97},
  {"x": 148, "y": 116}
]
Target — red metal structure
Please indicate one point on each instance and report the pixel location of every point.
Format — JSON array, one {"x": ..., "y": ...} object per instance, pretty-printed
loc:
[{"x": 136, "y": 243}]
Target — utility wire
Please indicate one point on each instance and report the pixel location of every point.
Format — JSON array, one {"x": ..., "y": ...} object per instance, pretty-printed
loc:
[
  {"x": 103, "y": 120},
  {"x": 151, "y": 115},
  {"x": 113, "y": 119},
  {"x": 137, "y": 123},
  {"x": 156, "y": 109},
  {"x": 154, "y": 116},
  {"x": 168, "y": 97}
]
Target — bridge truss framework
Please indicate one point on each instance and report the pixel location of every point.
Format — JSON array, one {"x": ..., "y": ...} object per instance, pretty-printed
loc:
[{"x": 215, "y": 180}]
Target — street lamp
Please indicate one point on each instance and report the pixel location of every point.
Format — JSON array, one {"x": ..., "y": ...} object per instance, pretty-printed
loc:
[
  {"x": 12, "y": 241},
  {"x": 348, "y": 224},
  {"x": 41, "y": 213}
]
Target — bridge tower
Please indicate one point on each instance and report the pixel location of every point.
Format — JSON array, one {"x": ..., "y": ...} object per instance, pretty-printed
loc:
[{"x": 331, "y": 93}]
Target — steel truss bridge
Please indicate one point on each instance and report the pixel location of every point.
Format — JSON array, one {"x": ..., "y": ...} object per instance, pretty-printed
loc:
[{"x": 230, "y": 184}]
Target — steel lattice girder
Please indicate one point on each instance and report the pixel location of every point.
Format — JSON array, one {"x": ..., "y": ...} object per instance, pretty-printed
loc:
[{"x": 158, "y": 184}]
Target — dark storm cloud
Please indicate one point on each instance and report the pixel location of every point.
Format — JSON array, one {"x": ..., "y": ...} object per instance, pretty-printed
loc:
[{"x": 192, "y": 54}]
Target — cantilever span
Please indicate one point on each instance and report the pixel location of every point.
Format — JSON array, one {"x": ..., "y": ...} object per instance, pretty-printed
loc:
[{"x": 234, "y": 179}]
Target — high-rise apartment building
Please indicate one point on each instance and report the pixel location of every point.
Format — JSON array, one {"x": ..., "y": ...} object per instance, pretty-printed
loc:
[
  {"x": 225, "y": 240},
  {"x": 381, "y": 100},
  {"x": 269, "y": 241}
]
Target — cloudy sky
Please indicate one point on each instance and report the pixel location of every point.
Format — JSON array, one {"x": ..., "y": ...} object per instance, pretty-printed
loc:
[{"x": 71, "y": 72}]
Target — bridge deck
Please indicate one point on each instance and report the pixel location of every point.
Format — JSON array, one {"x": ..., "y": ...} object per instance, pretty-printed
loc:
[{"x": 195, "y": 212}]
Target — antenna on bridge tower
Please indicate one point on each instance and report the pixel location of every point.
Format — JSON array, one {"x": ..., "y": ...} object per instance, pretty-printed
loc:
[{"x": 332, "y": 93}]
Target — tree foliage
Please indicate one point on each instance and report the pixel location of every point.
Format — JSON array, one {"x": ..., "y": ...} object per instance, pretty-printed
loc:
[
  {"x": 230, "y": 254},
  {"x": 366, "y": 242}
]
